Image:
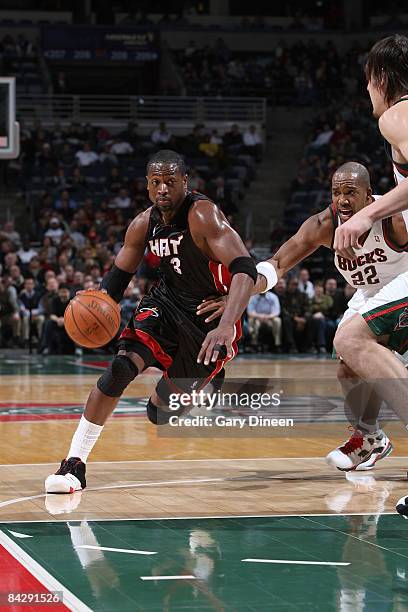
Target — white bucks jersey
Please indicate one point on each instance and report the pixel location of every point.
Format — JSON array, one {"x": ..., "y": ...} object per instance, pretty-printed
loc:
[{"x": 377, "y": 262}]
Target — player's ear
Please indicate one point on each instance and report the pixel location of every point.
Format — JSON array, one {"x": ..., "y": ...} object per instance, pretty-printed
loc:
[{"x": 369, "y": 193}]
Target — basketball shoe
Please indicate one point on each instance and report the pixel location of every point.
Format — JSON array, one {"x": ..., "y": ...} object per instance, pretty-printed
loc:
[
  {"x": 69, "y": 478},
  {"x": 402, "y": 506},
  {"x": 360, "y": 452}
]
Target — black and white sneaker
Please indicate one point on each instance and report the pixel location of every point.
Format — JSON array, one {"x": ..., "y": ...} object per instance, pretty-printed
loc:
[
  {"x": 69, "y": 478},
  {"x": 360, "y": 452},
  {"x": 402, "y": 506}
]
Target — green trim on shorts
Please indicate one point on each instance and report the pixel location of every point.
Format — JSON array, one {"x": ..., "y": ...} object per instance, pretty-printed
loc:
[{"x": 391, "y": 320}]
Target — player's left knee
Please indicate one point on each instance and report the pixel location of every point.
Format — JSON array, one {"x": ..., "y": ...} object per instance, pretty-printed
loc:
[{"x": 118, "y": 376}]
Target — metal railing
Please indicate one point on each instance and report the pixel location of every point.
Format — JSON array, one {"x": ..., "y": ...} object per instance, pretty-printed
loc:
[{"x": 119, "y": 109}]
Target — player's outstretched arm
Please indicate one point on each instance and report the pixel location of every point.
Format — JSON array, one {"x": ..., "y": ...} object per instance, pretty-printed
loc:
[
  {"x": 129, "y": 257},
  {"x": 314, "y": 232},
  {"x": 215, "y": 237}
]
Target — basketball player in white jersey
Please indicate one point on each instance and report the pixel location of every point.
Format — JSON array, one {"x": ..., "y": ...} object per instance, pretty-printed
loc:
[
  {"x": 380, "y": 258},
  {"x": 360, "y": 340}
]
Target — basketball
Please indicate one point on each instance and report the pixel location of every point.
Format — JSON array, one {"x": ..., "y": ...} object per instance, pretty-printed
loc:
[{"x": 92, "y": 319}]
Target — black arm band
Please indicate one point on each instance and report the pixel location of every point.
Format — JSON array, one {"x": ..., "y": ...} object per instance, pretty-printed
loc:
[
  {"x": 245, "y": 265},
  {"x": 115, "y": 282}
]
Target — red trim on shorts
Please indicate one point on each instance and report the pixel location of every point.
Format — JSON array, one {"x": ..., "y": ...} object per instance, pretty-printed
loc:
[
  {"x": 159, "y": 354},
  {"x": 219, "y": 364},
  {"x": 386, "y": 311},
  {"x": 221, "y": 276}
]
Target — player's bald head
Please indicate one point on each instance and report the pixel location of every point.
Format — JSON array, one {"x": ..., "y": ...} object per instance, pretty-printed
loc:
[
  {"x": 354, "y": 171},
  {"x": 351, "y": 189}
]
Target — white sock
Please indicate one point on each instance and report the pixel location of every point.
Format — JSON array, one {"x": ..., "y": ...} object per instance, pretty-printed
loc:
[{"x": 84, "y": 439}]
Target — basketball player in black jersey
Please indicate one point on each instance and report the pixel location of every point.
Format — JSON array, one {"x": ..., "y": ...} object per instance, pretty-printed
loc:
[{"x": 199, "y": 254}]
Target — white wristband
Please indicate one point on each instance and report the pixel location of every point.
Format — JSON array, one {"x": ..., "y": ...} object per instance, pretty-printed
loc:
[{"x": 268, "y": 271}]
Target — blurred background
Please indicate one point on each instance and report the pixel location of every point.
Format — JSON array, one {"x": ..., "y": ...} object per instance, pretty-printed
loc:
[{"x": 265, "y": 100}]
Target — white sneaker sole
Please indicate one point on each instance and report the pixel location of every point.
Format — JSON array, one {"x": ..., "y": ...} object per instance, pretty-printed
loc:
[
  {"x": 334, "y": 458},
  {"x": 56, "y": 483}
]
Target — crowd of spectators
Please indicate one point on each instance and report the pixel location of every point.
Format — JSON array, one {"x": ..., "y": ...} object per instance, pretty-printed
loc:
[
  {"x": 344, "y": 131},
  {"x": 299, "y": 73},
  {"x": 87, "y": 174},
  {"x": 297, "y": 316},
  {"x": 36, "y": 283},
  {"x": 85, "y": 185}
]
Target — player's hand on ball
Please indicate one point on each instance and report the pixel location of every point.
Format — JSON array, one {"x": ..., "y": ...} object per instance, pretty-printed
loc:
[
  {"x": 215, "y": 340},
  {"x": 214, "y": 304}
]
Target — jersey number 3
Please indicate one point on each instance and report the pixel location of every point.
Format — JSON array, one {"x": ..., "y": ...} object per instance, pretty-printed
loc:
[
  {"x": 176, "y": 263},
  {"x": 367, "y": 276}
]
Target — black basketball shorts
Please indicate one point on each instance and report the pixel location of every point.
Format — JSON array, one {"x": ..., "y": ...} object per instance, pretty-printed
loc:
[{"x": 169, "y": 339}]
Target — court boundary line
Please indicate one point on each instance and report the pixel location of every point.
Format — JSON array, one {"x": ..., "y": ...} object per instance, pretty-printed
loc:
[
  {"x": 191, "y": 460},
  {"x": 191, "y": 518},
  {"x": 179, "y": 577},
  {"x": 71, "y": 601}
]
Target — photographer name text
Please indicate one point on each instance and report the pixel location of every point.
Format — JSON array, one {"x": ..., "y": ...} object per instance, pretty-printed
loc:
[{"x": 233, "y": 422}]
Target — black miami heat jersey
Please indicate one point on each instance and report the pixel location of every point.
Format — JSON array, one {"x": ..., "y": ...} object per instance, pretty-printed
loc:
[
  {"x": 166, "y": 323},
  {"x": 185, "y": 271}
]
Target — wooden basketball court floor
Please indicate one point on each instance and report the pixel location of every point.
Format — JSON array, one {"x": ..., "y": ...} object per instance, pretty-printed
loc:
[{"x": 196, "y": 520}]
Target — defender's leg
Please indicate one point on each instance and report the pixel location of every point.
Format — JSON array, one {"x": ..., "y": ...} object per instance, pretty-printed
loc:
[{"x": 368, "y": 443}]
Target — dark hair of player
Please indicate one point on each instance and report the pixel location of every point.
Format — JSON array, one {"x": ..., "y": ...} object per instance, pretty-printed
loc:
[
  {"x": 167, "y": 157},
  {"x": 387, "y": 64}
]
